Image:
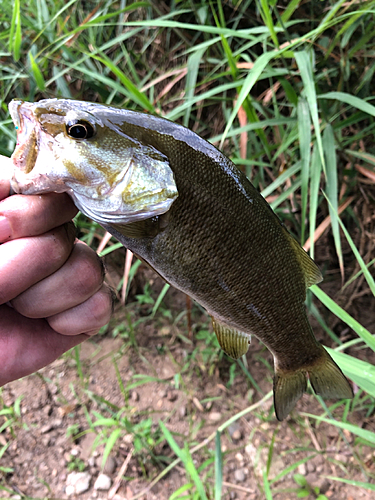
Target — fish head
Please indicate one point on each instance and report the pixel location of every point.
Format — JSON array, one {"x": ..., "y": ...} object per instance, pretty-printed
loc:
[{"x": 75, "y": 147}]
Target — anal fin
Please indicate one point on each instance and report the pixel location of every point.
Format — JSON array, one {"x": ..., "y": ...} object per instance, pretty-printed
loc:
[{"x": 233, "y": 342}]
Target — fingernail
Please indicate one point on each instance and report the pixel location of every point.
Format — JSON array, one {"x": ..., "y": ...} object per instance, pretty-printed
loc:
[{"x": 5, "y": 229}]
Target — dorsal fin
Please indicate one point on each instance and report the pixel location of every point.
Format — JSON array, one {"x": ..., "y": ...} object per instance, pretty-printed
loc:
[{"x": 311, "y": 271}]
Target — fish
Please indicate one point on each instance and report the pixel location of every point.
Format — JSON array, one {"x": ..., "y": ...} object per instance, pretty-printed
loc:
[{"x": 186, "y": 210}]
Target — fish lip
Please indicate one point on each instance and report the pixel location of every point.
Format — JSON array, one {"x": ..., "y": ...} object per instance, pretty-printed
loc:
[
  {"x": 13, "y": 108},
  {"x": 24, "y": 155},
  {"x": 19, "y": 110}
]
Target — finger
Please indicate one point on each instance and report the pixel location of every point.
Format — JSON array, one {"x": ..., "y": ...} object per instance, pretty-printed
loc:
[
  {"x": 30, "y": 345},
  {"x": 26, "y": 261},
  {"x": 88, "y": 317},
  {"x": 76, "y": 281},
  {"x": 22, "y": 216},
  {"x": 5, "y": 174}
]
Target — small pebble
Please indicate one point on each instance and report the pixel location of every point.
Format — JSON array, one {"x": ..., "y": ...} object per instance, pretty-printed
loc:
[
  {"x": 310, "y": 466},
  {"x": 197, "y": 404},
  {"x": 236, "y": 436},
  {"x": 128, "y": 439},
  {"x": 46, "y": 428},
  {"x": 171, "y": 396},
  {"x": 182, "y": 411},
  {"x": 103, "y": 482},
  {"x": 239, "y": 475},
  {"x": 302, "y": 469},
  {"x": 214, "y": 416},
  {"x": 135, "y": 396},
  {"x": 79, "y": 483},
  {"x": 70, "y": 490},
  {"x": 110, "y": 465}
]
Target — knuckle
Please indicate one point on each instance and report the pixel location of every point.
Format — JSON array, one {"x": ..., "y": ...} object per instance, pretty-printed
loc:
[
  {"x": 89, "y": 270},
  {"x": 59, "y": 243},
  {"x": 102, "y": 306}
]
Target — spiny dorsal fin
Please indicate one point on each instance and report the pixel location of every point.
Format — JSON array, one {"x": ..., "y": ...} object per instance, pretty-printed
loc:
[
  {"x": 233, "y": 342},
  {"x": 310, "y": 269}
]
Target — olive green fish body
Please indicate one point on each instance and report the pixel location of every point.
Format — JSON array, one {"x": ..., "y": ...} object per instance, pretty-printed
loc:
[{"x": 215, "y": 238}]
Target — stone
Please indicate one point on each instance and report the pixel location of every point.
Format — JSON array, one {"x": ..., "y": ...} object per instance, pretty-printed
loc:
[
  {"x": 236, "y": 436},
  {"x": 182, "y": 411},
  {"x": 239, "y": 475},
  {"x": 302, "y": 469},
  {"x": 214, "y": 416},
  {"x": 46, "y": 428},
  {"x": 70, "y": 490},
  {"x": 171, "y": 396},
  {"x": 102, "y": 483},
  {"x": 110, "y": 465},
  {"x": 77, "y": 483},
  {"x": 135, "y": 396},
  {"x": 310, "y": 466}
]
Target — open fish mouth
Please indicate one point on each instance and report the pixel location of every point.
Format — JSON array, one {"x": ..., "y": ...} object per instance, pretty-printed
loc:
[{"x": 27, "y": 147}]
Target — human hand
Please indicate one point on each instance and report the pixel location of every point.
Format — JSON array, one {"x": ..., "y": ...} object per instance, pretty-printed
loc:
[{"x": 52, "y": 295}]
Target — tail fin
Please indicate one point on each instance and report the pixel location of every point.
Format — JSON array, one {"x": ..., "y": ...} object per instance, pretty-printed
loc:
[{"x": 326, "y": 379}]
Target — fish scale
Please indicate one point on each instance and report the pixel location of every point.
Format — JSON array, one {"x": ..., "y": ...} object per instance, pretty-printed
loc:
[{"x": 188, "y": 212}]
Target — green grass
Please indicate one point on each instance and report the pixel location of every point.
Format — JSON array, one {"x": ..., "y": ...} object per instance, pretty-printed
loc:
[{"x": 299, "y": 74}]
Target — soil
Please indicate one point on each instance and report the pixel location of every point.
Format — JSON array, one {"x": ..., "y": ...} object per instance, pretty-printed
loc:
[{"x": 193, "y": 392}]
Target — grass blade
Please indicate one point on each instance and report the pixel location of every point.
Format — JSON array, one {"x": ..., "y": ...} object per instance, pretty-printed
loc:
[
  {"x": 159, "y": 299},
  {"x": 15, "y": 35},
  {"x": 330, "y": 304},
  {"x": 266, "y": 485},
  {"x": 360, "y": 484},
  {"x": 361, "y": 372},
  {"x": 332, "y": 190},
  {"x": 37, "y": 73},
  {"x": 218, "y": 467},
  {"x": 304, "y": 132},
  {"x": 111, "y": 441},
  {"x": 368, "y": 276},
  {"x": 137, "y": 96},
  {"x": 304, "y": 63},
  {"x": 186, "y": 458},
  {"x": 352, "y": 100},
  {"x": 248, "y": 84},
  {"x": 191, "y": 81},
  {"x": 316, "y": 168},
  {"x": 353, "y": 429}
]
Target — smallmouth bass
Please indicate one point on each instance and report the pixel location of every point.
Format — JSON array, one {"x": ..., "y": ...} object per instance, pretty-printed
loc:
[{"x": 184, "y": 208}]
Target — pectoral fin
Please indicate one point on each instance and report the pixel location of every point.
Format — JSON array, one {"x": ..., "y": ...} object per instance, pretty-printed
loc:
[
  {"x": 233, "y": 342},
  {"x": 146, "y": 228}
]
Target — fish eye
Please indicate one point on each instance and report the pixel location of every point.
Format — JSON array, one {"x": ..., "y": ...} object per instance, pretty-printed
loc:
[{"x": 80, "y": 129}]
